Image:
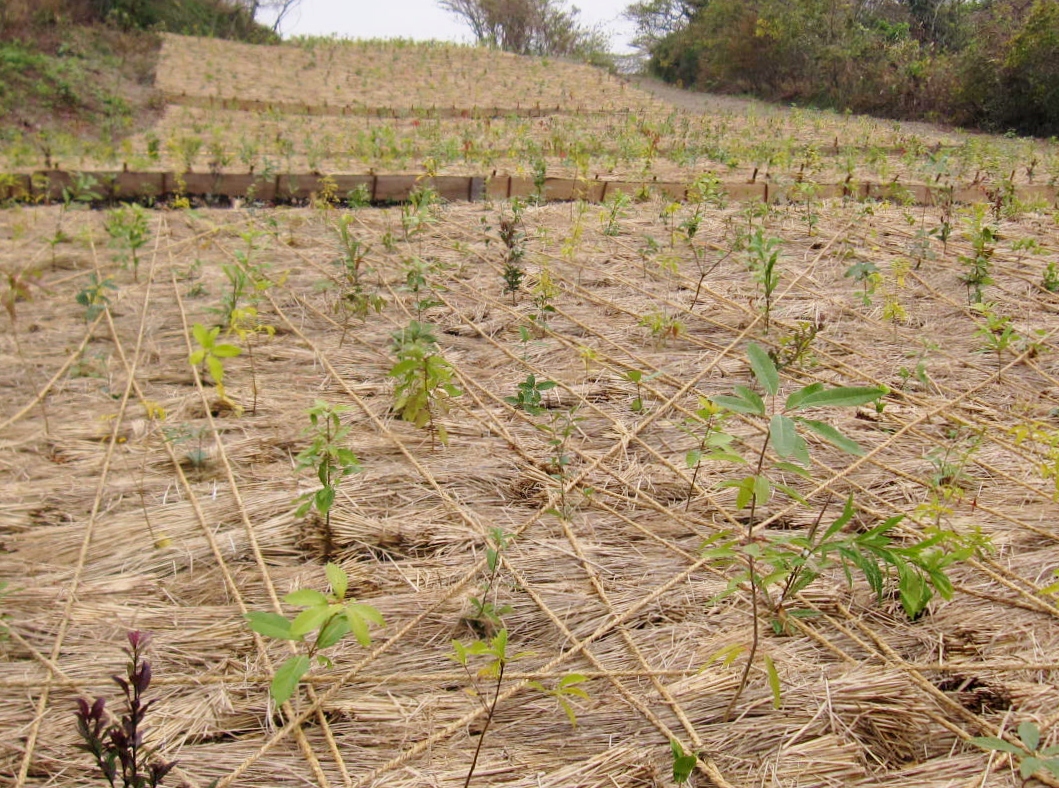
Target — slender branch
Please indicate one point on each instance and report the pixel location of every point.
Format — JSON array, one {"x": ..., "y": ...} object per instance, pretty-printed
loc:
[
  {"x": 753, "y": 590},
  {"x": 488, "y": 719}
]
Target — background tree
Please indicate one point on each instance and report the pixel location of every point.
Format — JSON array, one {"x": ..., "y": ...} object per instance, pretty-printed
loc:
[
  {"x": 274, "y": 10},
  {"x": 987, "y": 63},
  {"x": 528, "y": 27}
]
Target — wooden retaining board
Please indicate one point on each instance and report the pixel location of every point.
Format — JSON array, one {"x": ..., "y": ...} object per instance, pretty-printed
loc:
[{"x": 59, "y": 185}]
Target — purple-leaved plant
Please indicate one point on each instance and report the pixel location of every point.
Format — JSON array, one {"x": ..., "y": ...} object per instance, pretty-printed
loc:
[{"x": 118, "y": 747}]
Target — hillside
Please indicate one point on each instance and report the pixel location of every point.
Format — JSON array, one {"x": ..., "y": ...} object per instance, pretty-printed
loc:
[
  {"x": 77, "y": 78},
  {"x": 331, "y": 107}
]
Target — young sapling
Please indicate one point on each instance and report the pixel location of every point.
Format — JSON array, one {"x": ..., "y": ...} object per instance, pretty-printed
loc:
[
  {"x": 331, "y": 616},
  {"x": 118, "y": 748},
  {"x": 497, "y": 657},
  {"x": 93, "y": 297},
  {"x": 328, "y": 456},
  {"x": 127, "y": 228},
  {"x": 424, "y": 387},
  {"x": 1031, "y": 756},
  {"x": 247, "y": 325},
  {"x": 529, "y": 397},
  {"x": 211, "y": 354}
]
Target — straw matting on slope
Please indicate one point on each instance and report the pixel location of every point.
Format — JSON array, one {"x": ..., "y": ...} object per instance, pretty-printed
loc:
[{"x": 617, "y": 591}]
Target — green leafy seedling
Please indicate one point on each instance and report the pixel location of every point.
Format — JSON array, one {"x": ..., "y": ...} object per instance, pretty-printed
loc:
[
  {"x": 683, "y": 762},
  {"x": 565, "y": 688},
  {"x": 486, "y": 614},
  {"x": 331, "y": 616},
  {"x": 763, "y": 256},
  {"x": 424, "y": 387},
  {"x": 247, "y": 324},
  {"x": 94, "y": 295},
  {"x": 638, "y": 379},
  {"x": 496, "y": 654},
  {"x": 528, "y": 397},
  {"x": 866, "y": 274},
  {"x": 327, "y": 456},
  {"x": 1031, "y": 756},
  {"x": 212, "y": 353},
  {"x": 127, "y": 228},
  {"x": 997, "y": 334},
  {"x": 710, "y": 442}
]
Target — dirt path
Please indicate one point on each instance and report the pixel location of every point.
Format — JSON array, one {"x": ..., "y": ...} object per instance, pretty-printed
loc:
[{"x": 693, "y": 101}]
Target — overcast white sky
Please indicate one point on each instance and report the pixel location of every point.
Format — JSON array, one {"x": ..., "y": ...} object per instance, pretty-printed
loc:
[{"x": 422, "y": 19}]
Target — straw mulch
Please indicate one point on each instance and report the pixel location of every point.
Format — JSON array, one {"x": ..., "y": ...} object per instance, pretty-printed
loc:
[{"x": 133, "y": 499}]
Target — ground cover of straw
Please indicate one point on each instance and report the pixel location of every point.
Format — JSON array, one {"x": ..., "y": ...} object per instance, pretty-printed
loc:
[{"x": 618, "y": 591}]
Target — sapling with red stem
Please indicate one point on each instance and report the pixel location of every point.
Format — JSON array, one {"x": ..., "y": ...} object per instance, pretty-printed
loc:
[{"x": 118, "y": 747}]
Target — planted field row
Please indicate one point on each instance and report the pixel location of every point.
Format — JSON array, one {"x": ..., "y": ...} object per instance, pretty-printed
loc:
[
  {"x": 662, "y": 146},
  {"x": 430, "y": 112},
  {"x": 60, "y": 185}
]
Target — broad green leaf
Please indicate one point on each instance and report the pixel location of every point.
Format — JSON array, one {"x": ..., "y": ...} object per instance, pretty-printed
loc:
[
  {"x": 683, "y": 764},
  {"x": 738, "y": 404},
  {"x": 914, "y": 591},
  {"x": 338, "y": 579},
  {"x": 401, "y": 368},
  {"x": 359, "y": 628},
  {"x": 832, "y": 436},
  {"x": 309, "y": 619},
  {"x": 203, "y": 336},
  {"x": 762, "y": 490},
  {"x": 751, "y": 396},
  {"x": 1028, "y": 766},
  {"x": 367, "y": 612},
  {"x": 764, "y": 369},
  {"x": 774, "y": 682},
  {"x": 1030, "y": 735},
  {"x": 348, "y": 459},
  {"x": 499, "y": 643},
  {"x": 941, "y": 584},
  {"x": 287, "y": 677},
  {"x": 790, "y": 467},
  {"x": 843, "y": 397},
  {"x": 564, "y": 704},
  {"x": 333, "y": 630},
  {"x": 305, "y": 597},
  {"x": 783, "y": 435},
  {"x": 692, "y": 458},
  {"x": 216, "y": 369},
  {"x": 226, "y": 351},
  {"x": 993, "y": 743},
  {"x": 795, "y": 400},
  {"x": 459, "y": 652},
  {"x": 744, "y": 491},
  {"x": 358, "y": 615},
  {"x": 324, "y": 498},
  {"x": 544, "y": 385},
  {"x": 271, "y": 625},
  {"x": 196, "y": 357}
]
